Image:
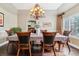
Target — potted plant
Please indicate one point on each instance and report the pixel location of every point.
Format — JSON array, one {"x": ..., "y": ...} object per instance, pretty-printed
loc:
[{"x": 16, "y": 29}]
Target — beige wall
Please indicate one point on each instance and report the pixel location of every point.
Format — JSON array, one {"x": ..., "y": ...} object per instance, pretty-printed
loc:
[
  {"x": 71, "y": 12},
  {"x": 23, "y": 17},
  {"x": 10, "y": 19},
  {"x": 65, "y": 7},
  {"x": 10, "y": 16},
  {"x": 74, "y": 41}
]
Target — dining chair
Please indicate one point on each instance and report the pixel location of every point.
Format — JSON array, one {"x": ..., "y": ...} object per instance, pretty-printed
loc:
[
  {"x": 66, "y": 33},
  {"x": 48, "y": 39},
  {"x": 24, "y": 42},
  {"x": 10, "y": 42}
]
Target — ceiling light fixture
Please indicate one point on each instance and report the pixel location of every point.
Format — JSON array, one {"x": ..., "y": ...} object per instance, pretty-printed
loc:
[{"x": 37, "y": 12}]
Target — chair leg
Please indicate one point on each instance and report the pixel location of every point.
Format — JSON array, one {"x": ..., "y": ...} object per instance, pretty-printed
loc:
[
  {"x": 54, "y": 51},
  {"x": 59, "y": 45},
  {"x": 30, "y": 50},
  {"x": 68, "y": 47},
  {"x": 7, "y": 47},
  {"x": 63, "y": 44},
  {"x": 18, "y": 52},
  {"x": 43, "y": 50}
]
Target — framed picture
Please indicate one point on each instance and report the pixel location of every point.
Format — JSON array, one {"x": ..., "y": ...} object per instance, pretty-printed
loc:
[{"x": 1, "y": 19}]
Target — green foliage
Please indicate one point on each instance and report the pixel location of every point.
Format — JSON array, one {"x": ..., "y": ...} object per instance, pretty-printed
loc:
[{"x": 16, "y": 29}]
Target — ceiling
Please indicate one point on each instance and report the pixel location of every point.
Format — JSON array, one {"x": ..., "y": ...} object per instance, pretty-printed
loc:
[
  {"x": 57, "y": 7},
  {"x": 45, "y": 6},
  {"x": 65, "y": 7}
]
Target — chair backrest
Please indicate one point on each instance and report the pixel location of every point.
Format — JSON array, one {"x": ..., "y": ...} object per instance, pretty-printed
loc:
[
  {"x": 43, "y": 30},
  {"x": 23, "y": 37},
  {"x": 66, "y": 33},
  {"x": 48, "y": 37},
  {"x": 9, "y": 32}
]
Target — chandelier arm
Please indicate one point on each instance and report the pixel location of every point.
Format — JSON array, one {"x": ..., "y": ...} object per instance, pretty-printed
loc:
[{"x": 36, "y": 11}]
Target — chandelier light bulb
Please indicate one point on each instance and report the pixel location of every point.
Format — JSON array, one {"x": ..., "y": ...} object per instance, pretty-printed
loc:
[
  {"x": 38, "y": 8},
  {"x": 37, "y": 12}
]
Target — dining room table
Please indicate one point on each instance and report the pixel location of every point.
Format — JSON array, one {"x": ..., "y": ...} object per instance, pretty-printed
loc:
[{"x": 38, "y": 38}]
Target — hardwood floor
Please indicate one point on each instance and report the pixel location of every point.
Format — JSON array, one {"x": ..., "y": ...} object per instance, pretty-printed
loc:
[{"x": 12, "y": 52}]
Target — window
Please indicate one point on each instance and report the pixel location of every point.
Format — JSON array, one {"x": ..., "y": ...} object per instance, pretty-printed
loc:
[{"x": 72, "y": 23}]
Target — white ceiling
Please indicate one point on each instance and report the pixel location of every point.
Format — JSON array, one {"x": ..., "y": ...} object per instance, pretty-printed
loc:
[
  {"x": 57, "y": 7},
  {"x": 45, "y": 6}
]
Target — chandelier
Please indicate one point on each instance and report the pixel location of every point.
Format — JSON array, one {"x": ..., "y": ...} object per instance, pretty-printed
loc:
[{"x": 37, "y": 12}]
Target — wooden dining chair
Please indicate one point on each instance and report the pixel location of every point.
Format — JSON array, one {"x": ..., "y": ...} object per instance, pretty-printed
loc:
[
  {"x": 48, "y": 39},
  {"x": 24, "y": 42},
  {"x": 11, "y": 43},
  {"x": 66, "y": 33}
]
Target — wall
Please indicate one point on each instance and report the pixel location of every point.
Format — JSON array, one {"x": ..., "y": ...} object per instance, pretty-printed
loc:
[
  {"x": 65, "y": 7},
  {"x": 10, "y": 19},
  {"x": 22, "y": 17},
  {"x": 74, "y": 42},
  {"x": 10, "y": 16},
  {"x": 50, "y": 16},
  {"x": 70, "y": 12}
]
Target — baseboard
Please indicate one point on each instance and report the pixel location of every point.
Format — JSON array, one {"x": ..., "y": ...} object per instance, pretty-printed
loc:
[
  {"x": 75, "y": 46},
  {"x": 2, "y": 44}
]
